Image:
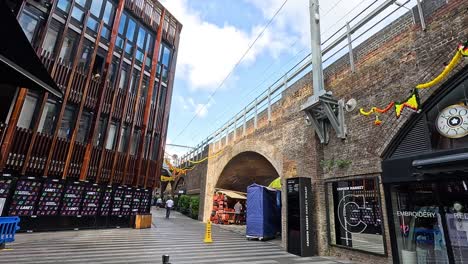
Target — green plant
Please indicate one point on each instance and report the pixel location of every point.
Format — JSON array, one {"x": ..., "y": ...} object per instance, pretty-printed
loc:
[
  {"x": 194, "y": 206},
  {"x": 342, "y": 164},
  {"x": 184, "y": 204},
  {"x": 328, "y": 165}
]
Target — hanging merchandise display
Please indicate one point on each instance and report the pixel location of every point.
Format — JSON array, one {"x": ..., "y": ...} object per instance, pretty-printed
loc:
[{"x": 412, "y": 102}]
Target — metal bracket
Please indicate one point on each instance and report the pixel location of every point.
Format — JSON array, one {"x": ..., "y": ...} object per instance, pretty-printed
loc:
[{"x": 322, "y": 111}]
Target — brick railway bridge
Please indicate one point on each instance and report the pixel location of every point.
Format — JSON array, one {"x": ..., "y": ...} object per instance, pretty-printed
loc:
[{"x": 270, "y": 137}]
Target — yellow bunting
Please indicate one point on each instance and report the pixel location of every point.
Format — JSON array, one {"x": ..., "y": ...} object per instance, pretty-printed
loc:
[
  {"x": 167, "y": 178},
  {"x": 455, "y": 60},
  {"x": 412, "y": 102}
]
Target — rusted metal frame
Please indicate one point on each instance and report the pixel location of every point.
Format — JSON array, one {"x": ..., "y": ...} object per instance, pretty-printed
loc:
[
  {"x": 95, "y": 121},
  {"x": 82, "y": 103},
  {"x": 11, "y": 127},
  {"x": 67, "y": 93},
  {"x": 146, "y": 115},
  {"x": 135, "y": 117},
  {"x": 124, "y": 112},
  {"x": 170, "y": 87},
  {"x": 45, "y": 96},
  {"x": 109, "y": 120}
]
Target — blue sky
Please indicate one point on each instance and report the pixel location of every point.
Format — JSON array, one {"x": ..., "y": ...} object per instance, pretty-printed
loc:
[{"x": 215, "y": 35}]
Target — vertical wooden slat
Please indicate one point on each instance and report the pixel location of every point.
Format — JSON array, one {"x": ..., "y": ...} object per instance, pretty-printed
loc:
[
  {"x": 124, "y": 111},
  {"x": 10, "y": 131},
  {"x": 168, "y": 103},
  {"x": 82, "y": 103},
  {"x": 135, "y": 116},
  {"x": 144, "y": 128},
  {"x": 108, "y": 61},
  {"x": 67, "y": 93}
]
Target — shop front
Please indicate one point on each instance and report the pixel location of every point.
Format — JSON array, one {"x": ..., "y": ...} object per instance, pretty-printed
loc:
[{"x": 425, "y": 176}]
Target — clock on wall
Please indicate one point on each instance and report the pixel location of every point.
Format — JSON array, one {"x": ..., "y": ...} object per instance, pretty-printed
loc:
[{"x": 452, "y": 122}]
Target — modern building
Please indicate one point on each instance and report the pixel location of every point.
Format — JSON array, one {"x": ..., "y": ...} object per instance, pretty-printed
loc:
[{"x": 114, "y": 62}]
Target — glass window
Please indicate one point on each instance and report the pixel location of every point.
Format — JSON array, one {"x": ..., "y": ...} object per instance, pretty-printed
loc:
[
  {"x": 105, "y": 33},
  {"x": 139, "y": 56},
  {"x": 27, "y": 112},
  {"x": 68, "y": 122},
  {"x": 108, "y": 15},
  {"x": 111, "y": 137},
  {"x": 144, "y": 86},
  {"x": 135, "y": 142},
  {"x": 64, "y": 5},
  {"x": 99, "y": 140},
  {"x": 131, "y": 29},
  {"x": 134, "y": 82},
  {"x": 77, "y": 13},
  {"x": 123, "y": 20},
  {"x": 50, "y": 39},
  {"x": 128, "y": 48},
  {"x": 83, "y": 129},
  {"x": 113, "y": 71},
  {"x": 28, "y": 23},
  {"x": 166, "y": 56},
  {"x": 155, "y": 93},
  {"x": 93, "y": 24},
  {"x": 123, "y": 78},
  {"x": 149, "y": 43},
  {"x": 49, "y": 115},
  {"x": 141, "y": 38},
  {"x": 86, "y": 54},
  {"x": 355, "y": 215},
  {"x": 95, "y": 8},
  {"x": 82, "y": 2},
  {"x": 68, "y": 46},
  {"x": 124, "y": 135},
  {"x": 119, "y": 42},
  {"x": 431, "y": 221}
]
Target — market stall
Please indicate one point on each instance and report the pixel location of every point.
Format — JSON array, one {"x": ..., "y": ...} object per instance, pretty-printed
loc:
[{"x": 223, "y": 206}]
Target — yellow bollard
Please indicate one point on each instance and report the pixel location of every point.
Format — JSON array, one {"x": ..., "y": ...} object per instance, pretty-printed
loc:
[{"x": 208, "y": 233}]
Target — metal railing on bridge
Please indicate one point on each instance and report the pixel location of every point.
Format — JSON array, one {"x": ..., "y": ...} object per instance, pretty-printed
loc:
[{"x": 355, "y": 31}]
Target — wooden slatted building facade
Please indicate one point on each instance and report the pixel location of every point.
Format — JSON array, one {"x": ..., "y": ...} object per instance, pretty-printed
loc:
[{"x": 114, "y": 61}]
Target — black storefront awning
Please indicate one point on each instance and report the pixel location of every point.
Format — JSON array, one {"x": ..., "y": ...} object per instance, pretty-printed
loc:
[{"x": 19, "y": 64}]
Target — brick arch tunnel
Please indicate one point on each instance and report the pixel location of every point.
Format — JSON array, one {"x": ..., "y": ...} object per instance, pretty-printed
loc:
[{"x": 244, "y": 169}]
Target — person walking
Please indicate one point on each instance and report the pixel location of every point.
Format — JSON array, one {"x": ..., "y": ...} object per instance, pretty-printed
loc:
[
  {"x": 237, "y": 210},
  {"x": 169, "y": 205},
  {"x": 159, "y": 203}
]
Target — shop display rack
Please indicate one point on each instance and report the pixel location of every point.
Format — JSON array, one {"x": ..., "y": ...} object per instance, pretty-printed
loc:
[
  {"x": 127, "y": 202},
  {"x": 25, "y": 196},
  {"x": 106, "y": 201},
  {"x": 91, "y": 199},
  {"x": 50, "y": 198},
  {"x": 117, "y": 201},
  {"x": 72, "y": 199},
  {"x": 145, "y": 201},
  {"x": 137, "y": 197},
  {"x": 6, "y": 183}
]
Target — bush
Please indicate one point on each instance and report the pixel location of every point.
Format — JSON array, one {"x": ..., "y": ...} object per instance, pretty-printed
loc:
[
  {"x": 194, "y": 204},
  {"x": 184, "y": 204}
]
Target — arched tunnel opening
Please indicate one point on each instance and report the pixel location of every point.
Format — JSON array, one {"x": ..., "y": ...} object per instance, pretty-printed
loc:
[
  {"x": 245, "y": 169},
  {"x": 240, "y": 172}
]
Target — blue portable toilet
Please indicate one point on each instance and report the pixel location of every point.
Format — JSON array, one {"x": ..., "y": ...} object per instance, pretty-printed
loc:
[{"x": 263, "y": 212}]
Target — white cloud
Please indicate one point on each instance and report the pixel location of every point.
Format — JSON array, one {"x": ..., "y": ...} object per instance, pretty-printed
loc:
[
  {"x": 208, "y": 52},
  {"x": 189, "y": 104}
]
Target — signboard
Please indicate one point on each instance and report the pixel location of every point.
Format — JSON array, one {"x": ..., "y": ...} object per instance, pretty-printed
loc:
[
  {"x": 72, "y": 199},
  {"x": 49, "y": 200},
  {"x": 25, "y": 197}
]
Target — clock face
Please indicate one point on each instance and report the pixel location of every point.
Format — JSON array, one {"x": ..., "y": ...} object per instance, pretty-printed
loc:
[{"x": 452, "y": 122}]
